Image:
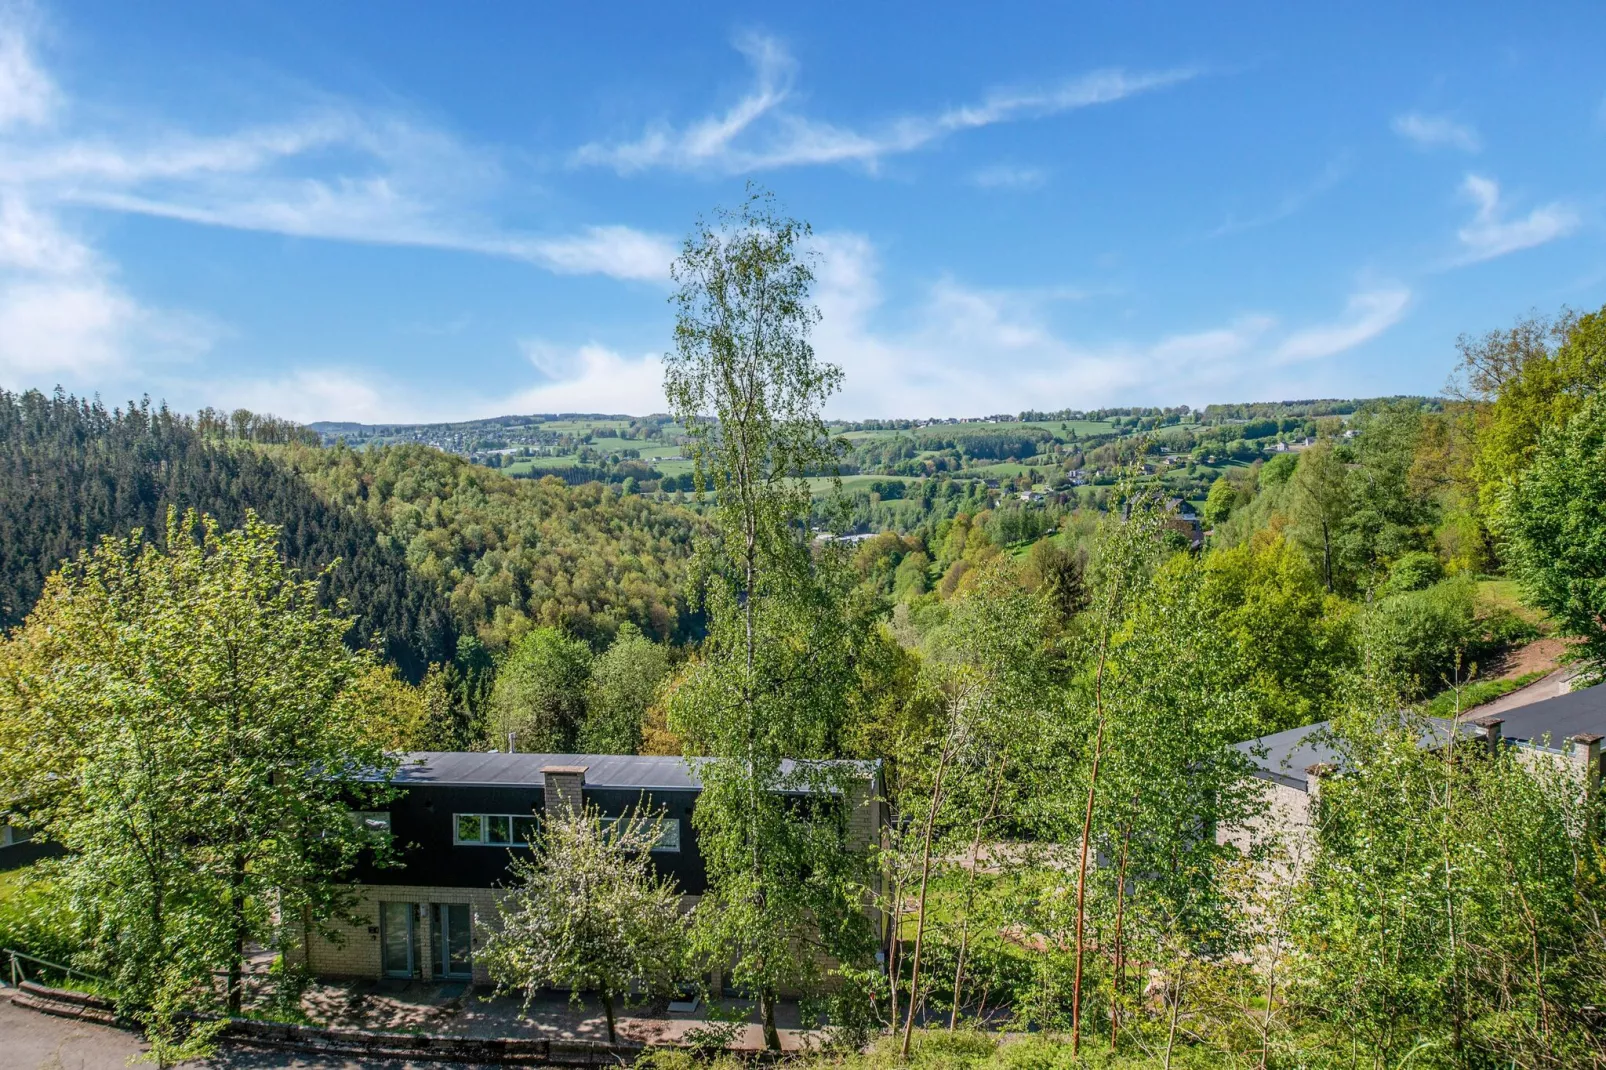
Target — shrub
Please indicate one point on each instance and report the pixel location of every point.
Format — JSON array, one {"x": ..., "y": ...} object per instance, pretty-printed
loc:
[
  {"x": 35, "y": 917},
  {"x": 1419, "y": 637},
  {"x": 1414, "y": 571}
]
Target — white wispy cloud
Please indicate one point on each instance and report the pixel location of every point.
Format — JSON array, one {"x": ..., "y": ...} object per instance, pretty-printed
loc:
[
  {"x": 1436, "y": 132},
  {"x": 1490, "y": 234},
  {"x": 1009, "y": 176},
  {"x": 1287, "y": 205},
  {"x": 1367, "y": 315},
  {"x": 761, "y": 131},
  {"x": 335, "y": 171},
  {"x": 28, "y": 96},
  {"x": 973, "y": 351}
]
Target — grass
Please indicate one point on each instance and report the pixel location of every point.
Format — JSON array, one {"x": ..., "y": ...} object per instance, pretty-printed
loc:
[
  {"x": 821, "y": 484},
  {"x": 584, "y": 425},
  {"x": 1477, "y": 693},
  {"x": 1501, "y": 594},
  {"x": 1003, "y": 470},
  {"x": 1083, "y": 428}
]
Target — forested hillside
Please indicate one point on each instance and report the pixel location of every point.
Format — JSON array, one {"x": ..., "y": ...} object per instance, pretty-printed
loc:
[
  {"x": 74, "y": 471},
  {"x": 510, "y": 553},
  {"x": 427, "y": 544}
]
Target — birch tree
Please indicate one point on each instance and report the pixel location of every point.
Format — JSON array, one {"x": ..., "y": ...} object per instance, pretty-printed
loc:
[{"x": 744, "y": 383}]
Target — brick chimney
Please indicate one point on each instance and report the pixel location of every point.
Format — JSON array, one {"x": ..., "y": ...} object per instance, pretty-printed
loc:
[
  {"x": 1586, "y": 752},
  {"x": 1490, "y": 731},
  {"x": 565, "y": 788}
]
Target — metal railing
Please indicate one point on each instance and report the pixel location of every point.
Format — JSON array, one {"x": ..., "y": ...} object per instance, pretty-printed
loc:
[{"x": 18, "y": 974}]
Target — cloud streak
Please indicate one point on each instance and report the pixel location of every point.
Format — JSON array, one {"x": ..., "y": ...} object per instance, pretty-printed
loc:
[
  {"x": 335, "y": 172},
  {"x": 974, "y": 351},
  {"x": 761, "y": 131},
  {"x": 1490, "y": 234},
  {"x": 1436, "y": 132}
]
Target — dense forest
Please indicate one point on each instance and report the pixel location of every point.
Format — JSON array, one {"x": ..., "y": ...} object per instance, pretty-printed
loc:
[
  {"x": 74, "y": 472},
  {"x": 424, "y": 545}
]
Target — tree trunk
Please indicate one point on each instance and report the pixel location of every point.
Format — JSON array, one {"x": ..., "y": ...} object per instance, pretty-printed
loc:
[
  {"x": 1118, "y": 981},
  {"x": 970, "y": 895},
  {"x": 766, "y": 1009},
  {"x": 894, "y": 962},
  {"x": 236, "y": 982},
  {"x": 607, "y": 1007},
  {"x": 1111, "y": 601},
  {"x": 1176, "y": 1008},
  {"x": 1081, "y": 892},
  {"x": 925, "y": 873},
  {"x": 1271, "y": 996},
  {"x": 1327, "y": 556}
]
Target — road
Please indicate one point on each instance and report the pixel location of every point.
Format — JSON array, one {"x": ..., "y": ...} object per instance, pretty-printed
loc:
[{"x": 33, "y": 1041}]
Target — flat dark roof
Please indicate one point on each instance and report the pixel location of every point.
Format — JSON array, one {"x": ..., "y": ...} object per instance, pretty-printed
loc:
[
  {"x": 627, "y": 771},
  {"x": 1556, "y": 719}
]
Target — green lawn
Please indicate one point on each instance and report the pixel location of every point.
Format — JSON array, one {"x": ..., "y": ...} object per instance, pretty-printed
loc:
[
  {"x": 585, "y": 425},
  {"x": 821, "y": 484},
  {"x": 1476, "y": 694},
  {"x": 1003, "y": 470},
  {"x": 1497, "y": 594}
]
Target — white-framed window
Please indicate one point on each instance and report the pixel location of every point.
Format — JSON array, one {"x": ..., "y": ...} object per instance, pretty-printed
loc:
[
  {"x": 668, "y": 832},
  {"x": 493, "y": 830}
]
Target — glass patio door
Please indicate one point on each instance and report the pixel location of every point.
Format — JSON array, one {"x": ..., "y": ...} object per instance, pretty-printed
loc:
[
  {"x": 453, "y": 946},
  {"x": 396, "y": 939}
]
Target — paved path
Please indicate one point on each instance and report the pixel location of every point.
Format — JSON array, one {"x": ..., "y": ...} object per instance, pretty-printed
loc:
[
  {"x": 33, "y": 1041},
  {"x": 1552, "y": 685},
  {"x": 30, "y": 1040}
]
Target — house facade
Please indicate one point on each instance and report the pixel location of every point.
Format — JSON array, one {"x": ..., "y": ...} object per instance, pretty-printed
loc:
[{"x": 459, "y": 820}]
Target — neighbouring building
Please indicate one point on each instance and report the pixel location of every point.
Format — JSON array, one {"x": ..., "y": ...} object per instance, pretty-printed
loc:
[
  {"x": 459, "y": 820},
  {"x": 1292, "y": 764}
]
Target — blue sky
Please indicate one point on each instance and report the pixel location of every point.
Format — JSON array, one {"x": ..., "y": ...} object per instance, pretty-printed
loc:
[{"x": 387, "y": 211}]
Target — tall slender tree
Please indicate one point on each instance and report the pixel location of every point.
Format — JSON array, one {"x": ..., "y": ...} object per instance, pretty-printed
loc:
[{"x": 744, "y": 382}]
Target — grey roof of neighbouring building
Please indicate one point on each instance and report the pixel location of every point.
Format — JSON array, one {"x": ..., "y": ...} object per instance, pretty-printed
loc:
[
  {"x": 1284, "y": 757},
  {"x": 494, "y": 769},
  {"x": 1557, "y": 719}
]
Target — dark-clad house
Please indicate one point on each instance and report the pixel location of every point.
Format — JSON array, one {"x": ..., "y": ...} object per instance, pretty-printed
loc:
[{"x": 461, "y": 817}]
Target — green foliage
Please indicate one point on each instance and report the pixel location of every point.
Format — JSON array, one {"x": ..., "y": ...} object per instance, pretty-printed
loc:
[
  {"x": 624, "y": 684},
  {"x": 540, "y": 693},
  {"x": 196, "y": 731},
  {"x": 72, "y": 472},
  {"x": 511, "y": 553},
  {"x": 1424, "y": 639},
  {"x": 1523, "y": 382},
  {"x": 1279, "y": 470},
  {"x": 1413, "y": 571},
  {"x": 36, "y": 914},
  {"x": 588, "y": 912},
  {"x": 1555, "y": 527},
  {"x": 1219, "y": 502},
  {"x": 1463, "y": 886},
  {"x": 1289, "y": 639}
]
